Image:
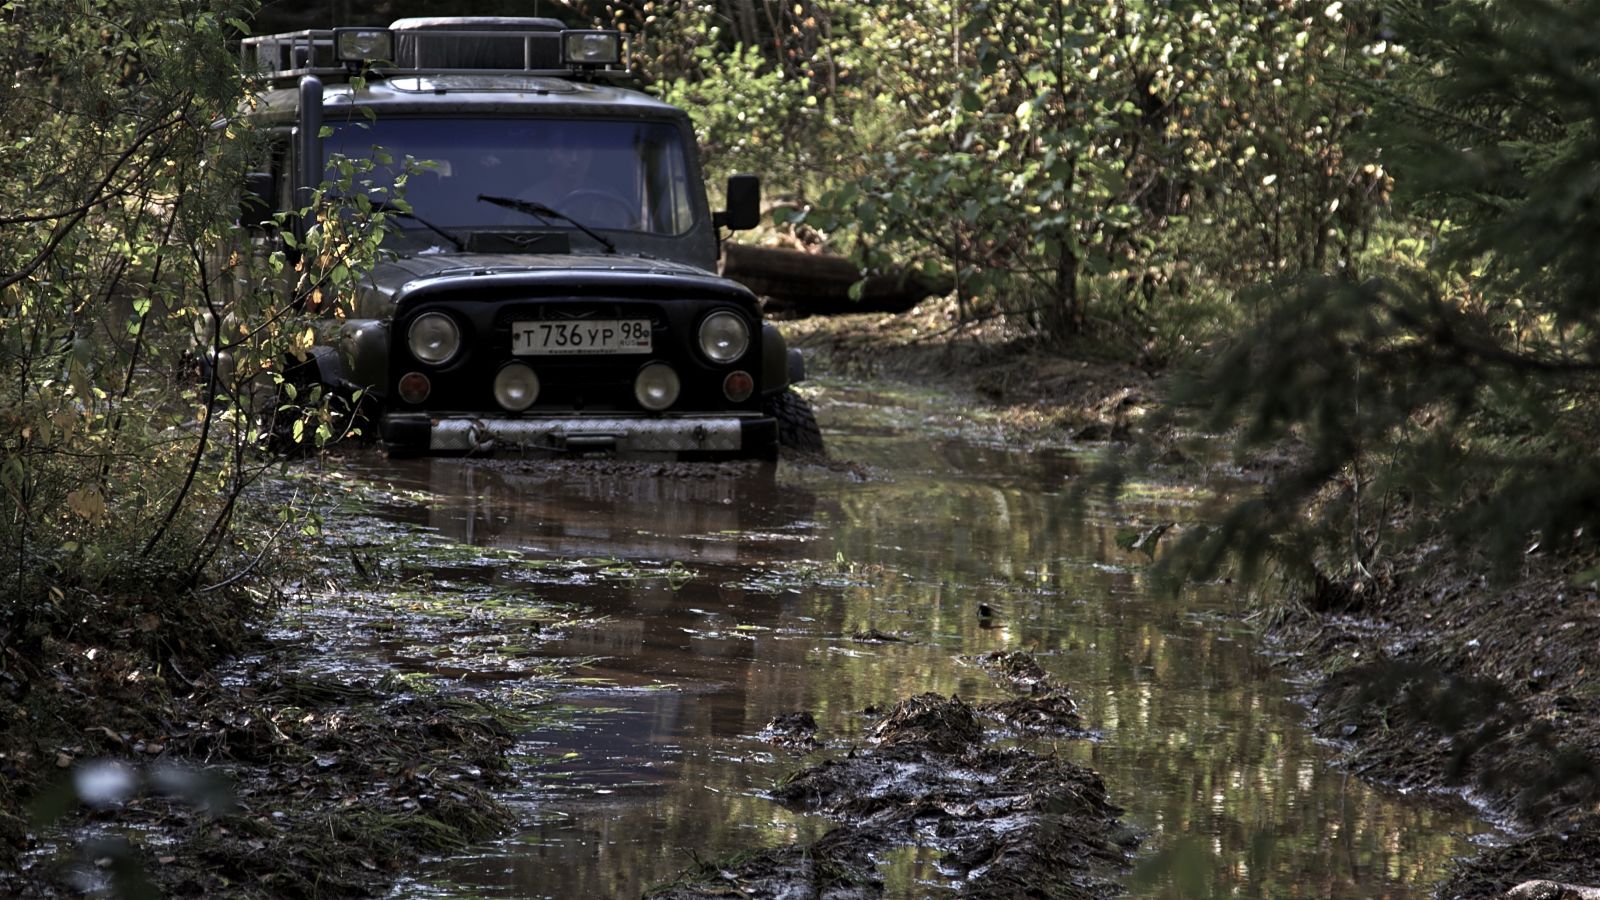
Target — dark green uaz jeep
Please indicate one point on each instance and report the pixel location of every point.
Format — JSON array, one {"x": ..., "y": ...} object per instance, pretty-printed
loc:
[{"x": 551, "y": 286}]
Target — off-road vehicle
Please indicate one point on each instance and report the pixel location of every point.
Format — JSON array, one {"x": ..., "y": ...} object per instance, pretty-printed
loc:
[{"x": 549, "y": 285}]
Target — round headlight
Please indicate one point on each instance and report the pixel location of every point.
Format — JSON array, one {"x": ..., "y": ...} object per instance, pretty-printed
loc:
[
  {"x": 434, "y": 338},
  {"x": 656, "y": 388},
  {"x": 516, "y": 387},
  {"x": 724, "y": 337}
]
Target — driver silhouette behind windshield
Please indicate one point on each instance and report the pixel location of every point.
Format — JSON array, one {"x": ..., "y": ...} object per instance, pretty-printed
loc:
[
  {"x": 568, "y": 172},
  {"x": 555, "y": 167}
]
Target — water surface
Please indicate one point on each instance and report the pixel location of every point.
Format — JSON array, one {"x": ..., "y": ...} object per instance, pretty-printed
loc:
[{"x": 712, "y": 601}]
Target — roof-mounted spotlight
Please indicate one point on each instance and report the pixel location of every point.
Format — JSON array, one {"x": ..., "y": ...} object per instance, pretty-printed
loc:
[
  {"x": 362, "y": 46},
  {"x": 591, "y": 49}
]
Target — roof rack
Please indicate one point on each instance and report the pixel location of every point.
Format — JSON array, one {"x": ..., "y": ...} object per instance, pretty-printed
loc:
[{"x": 475, "y": 46}]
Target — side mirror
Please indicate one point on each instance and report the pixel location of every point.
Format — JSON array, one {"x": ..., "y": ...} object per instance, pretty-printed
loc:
[
  {"x": 744, "y": 203},
  {"x": 257, "y": 202}
]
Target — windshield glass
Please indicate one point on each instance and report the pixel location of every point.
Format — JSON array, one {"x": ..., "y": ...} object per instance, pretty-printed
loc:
[{"x": 622, "y": 176}]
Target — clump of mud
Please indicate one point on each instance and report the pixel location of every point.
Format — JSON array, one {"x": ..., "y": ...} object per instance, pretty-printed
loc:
[
  {"x": 838, "y": 866},
  {"x": 797, "y": 730},
  {"x": 1567, "y": 853},
  {"x": 1044, "y": 706},
  {"x": 930, "y": 721},
  {"x": 1008, "y": 822}
]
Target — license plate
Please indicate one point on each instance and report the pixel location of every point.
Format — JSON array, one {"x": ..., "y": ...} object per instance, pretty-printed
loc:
[{"x": 587, "y": 336}]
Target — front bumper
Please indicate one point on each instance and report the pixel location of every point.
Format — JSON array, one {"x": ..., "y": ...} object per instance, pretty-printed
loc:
[{"x": 630, "y": 436}]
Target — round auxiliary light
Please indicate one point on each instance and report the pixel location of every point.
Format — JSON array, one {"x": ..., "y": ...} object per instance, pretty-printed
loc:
[
  {"x": 415, "y": 387},
  {"x": 656, "y": 387},
  {"x": 516, "y": 387},
  {"x": 724, "y": 337},
  {"x": 738, "y": 386},
  {"x": 434, "y": 338}
]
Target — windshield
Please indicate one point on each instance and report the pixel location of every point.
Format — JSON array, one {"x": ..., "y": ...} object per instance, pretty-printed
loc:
[{"x": 623, "y": 176}]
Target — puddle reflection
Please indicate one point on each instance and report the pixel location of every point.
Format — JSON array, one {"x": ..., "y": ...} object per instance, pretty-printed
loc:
[
  {"x": 564, "y": 510},
  {"x": 654, "y": 755}
]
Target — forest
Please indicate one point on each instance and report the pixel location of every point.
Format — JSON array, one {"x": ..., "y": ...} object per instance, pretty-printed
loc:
[{"x": 1354, "y": 239}]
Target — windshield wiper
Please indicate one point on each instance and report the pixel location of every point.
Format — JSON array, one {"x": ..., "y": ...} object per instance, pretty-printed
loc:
[
  {"x": 539, "y": 209},
  {"x": 384, "y": 206}
]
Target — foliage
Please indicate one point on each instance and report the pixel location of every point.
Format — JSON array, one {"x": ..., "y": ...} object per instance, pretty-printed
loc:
[
  {"x": 119, "y": 182},
  {"x": 755, "y": 81},
  {"x": 1059, "y": 159},
  {"x": 1461, "y": 391}
]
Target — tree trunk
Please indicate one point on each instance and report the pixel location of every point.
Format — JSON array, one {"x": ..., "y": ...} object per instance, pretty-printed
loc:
[
  {"x": 1068, "y": 317},
  {"x": 815, "y": 284}
]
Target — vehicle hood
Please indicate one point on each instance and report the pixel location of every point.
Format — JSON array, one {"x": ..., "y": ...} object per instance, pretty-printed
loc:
[{"x": 493, "y": 276}]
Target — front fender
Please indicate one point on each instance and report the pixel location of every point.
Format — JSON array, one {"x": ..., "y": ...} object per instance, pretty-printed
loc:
[
  {"x": 363, "y": 355},
  {"x": 780, "y": 365}
]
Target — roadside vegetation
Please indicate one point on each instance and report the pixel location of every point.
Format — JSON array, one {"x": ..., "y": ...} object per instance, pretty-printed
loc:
[
  {"x": 115, "y": 471},
  {"x": 136, "y": 552},
  {"x": 1361, "y": 234}
]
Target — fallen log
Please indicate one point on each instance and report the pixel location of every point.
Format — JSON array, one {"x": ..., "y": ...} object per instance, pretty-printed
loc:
[{"x": 799, "y": 283}]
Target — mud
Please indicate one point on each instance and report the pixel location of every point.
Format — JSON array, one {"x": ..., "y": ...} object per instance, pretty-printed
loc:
[
  {"x": 1435, "y": 679},
  {"x": 838, "y": 866},
  {"x": 157, "y": 767},
  {"x": 274, "y": 785},
  {"x": 1034, "y": 394},
  {"x": 797, "y": 731},
  {"x": 1006, "y": 821},
  {"x": 1428, "y": 677},
  {"x": 1044, "y": 707},
  {"x": 1565, "y": 856}
]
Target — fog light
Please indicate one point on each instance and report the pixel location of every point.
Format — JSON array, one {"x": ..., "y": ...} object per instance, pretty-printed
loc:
[
  {"x": 656, "y": 388},
  {"x": 516, "y": 387},
  {"x": 414, "y": 387},
  {"x": 738, "y": 386}
]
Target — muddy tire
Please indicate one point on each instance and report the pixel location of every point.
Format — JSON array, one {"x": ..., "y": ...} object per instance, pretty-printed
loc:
[
  {"x": 346, "y": 415},
  {"x": 286, "y": 410},
  {"x": 798, "y": 434}
]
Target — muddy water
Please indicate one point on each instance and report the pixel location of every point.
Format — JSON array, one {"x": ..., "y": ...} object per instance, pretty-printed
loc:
[{"x": 709, "y": 601}]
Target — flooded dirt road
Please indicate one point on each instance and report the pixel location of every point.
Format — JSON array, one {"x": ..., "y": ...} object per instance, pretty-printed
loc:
[{"x": 650, "y": 621}]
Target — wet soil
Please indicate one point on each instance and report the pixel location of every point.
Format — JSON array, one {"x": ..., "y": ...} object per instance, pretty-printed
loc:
[
  {"x": 213, "y": 750},
  {"x": 1035, "y": 393},
  {"x": 1007, "y": 820},
  {"x": 1427, "y": 676},
  {"x": 268, "y": 783},
  {"x": 1433, "y": 678}
]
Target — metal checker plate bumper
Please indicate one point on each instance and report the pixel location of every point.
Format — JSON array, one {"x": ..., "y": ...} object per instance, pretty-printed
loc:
[{"x": 621, "y": 435}]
